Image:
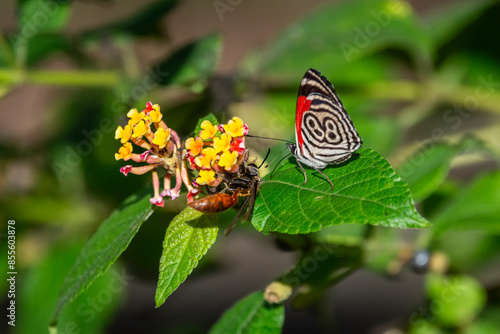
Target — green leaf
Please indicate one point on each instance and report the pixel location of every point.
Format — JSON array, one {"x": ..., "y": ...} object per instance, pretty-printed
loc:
[
  {"x": 37, "y": 17},
  {"x": 210, "y": 117},
  {"x": 192, "y": 64},
  {"x": 460, "y": 298},
  {"x": 446, "y": 23},
  {"x": 251, "y": 315},
  {"x": 37, "y": 295},
  {"x": 335, "y": 36},
  {"x": 427, "y": 169},
  {"x": 188, "y": 238},
  {"x": 475, "y": 208},
  {"x": 104, "y": 247},
  {"x": 366, "y": 191}
]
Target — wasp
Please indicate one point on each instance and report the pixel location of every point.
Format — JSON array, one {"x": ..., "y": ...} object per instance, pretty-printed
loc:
[{"x": 244, "y": 183}]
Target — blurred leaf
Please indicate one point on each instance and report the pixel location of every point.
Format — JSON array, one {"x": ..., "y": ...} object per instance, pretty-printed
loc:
[
  {"x": 427, "y": 169},
  {"x": 346, "y": 235},
  {"x": 143, "y": 22},
  {"x": 188, "y": 238},
  {"x": 192, "y": 64},
  {"x": 378, "y": 132},
  {"x": 474, "y": 208},
  {"x": 104, "y": 247},
  {"x": 382, "y": 250},
  {"x": 251, "y": 315},
  {"x": 481, "y": 250},
  {"x": 482, "y": 327},
  {"x": 337, "y": 34},
  {"x": 423, "y": 326},
  {"x": 37, "y": 17},
  {"x": 460, "y": 298},
  {"x": 37, "y": 296},
  {"x": 366, "y": 191},
  {"x": 445, "y": 24},
  {"x": 210, "y": 117}
]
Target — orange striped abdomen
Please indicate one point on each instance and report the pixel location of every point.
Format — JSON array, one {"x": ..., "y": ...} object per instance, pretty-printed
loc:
[{"x": 215, "y": 203}]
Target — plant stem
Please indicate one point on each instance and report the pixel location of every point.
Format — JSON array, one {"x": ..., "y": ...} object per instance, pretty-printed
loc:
[{"x": 60, "y": 78}]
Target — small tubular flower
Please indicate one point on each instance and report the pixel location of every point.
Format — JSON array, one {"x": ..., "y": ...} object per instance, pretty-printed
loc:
[
  {"x": 194, "y": 146},
  {"x": 228, "y": 160},
  {"x": 208, "y": 131},
  {"x": 162, "y": 150},
  {"x": 205, "y": 177},
  {"x": 238, "y": 145},
  {"x": 155, "y": 114},
  {"x": 140, "y": 129},
  {"x": 236, "y": 127},
  {"x": 161, "y": 137},
  {"x": 204, "y": 161},
  {"x": 125, "y": 152},
  {"x": 123, "y": 133},
  {"x": 135, "y": 116},
  {"x": 209, "y": 153},
  {"x": 223, "y": 143},
  {"x": 191, "y": 194}
]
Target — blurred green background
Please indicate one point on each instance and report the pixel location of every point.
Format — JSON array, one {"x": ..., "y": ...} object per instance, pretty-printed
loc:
[{"x": 420, "y": 80}]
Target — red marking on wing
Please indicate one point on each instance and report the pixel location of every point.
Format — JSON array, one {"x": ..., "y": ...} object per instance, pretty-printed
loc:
[{"x": 303, "y": 105}]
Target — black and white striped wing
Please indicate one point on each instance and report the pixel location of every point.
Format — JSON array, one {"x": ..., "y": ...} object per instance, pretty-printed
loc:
[{"x": 324, "y": 132}]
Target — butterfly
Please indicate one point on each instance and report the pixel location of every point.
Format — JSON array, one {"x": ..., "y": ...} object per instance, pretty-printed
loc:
[{"x": 324, "y": 133}]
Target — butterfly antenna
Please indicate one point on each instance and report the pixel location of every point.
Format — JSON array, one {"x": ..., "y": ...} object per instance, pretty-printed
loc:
[
  {"x": 276, "y": 157},
  {"x": 275, "y": 167},
  {"x": 267, "y": 155},
  {"x": 279, "y": 139}
]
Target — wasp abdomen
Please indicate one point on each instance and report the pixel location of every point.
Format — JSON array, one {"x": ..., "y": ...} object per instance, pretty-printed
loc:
[{"x": 215, "y": 203}]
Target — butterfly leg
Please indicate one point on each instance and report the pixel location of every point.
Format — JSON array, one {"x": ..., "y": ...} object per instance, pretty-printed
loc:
[
  {"x": 303, "y": 171},
  {"x": 327, "y": 178}
]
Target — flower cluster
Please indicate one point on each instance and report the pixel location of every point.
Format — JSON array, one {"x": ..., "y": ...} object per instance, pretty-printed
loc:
[
  {"x": 217, "y": 150},
  {"x": 161, "y": 149}
]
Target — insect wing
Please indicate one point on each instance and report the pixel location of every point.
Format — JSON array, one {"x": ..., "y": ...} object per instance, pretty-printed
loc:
[{"x": 324, "y": 132}]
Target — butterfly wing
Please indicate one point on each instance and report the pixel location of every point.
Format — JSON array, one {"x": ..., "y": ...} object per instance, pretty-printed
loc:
[{"x": 324, "y": 132}]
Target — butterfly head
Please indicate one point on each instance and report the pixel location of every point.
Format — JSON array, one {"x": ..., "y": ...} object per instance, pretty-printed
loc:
[{"x": 293, "y": 148}]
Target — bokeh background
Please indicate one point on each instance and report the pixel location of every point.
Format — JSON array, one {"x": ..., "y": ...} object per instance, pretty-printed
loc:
[{"x": 410, "y": 73}]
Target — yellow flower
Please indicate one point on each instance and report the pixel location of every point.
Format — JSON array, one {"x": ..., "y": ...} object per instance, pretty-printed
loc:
[
  {"x": 155, "y": 114},
  {"x": 125, "y": 152},
  {"x": 205, "y": 176},
  {"x": 194, "y": 146},
  {"x": 223, "y": 143},
  {"x": 135, "y": 116},
  {"x": 235, "y": 127},
  {"x": 123, "y": 134},
  {"x": 140, "y": 129},
  {"x": 161, "y": 137},
  {"x": 208, "y": 131},
  {"x": 228, "y": 159},
  {"x": 205, "y": 160}
]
